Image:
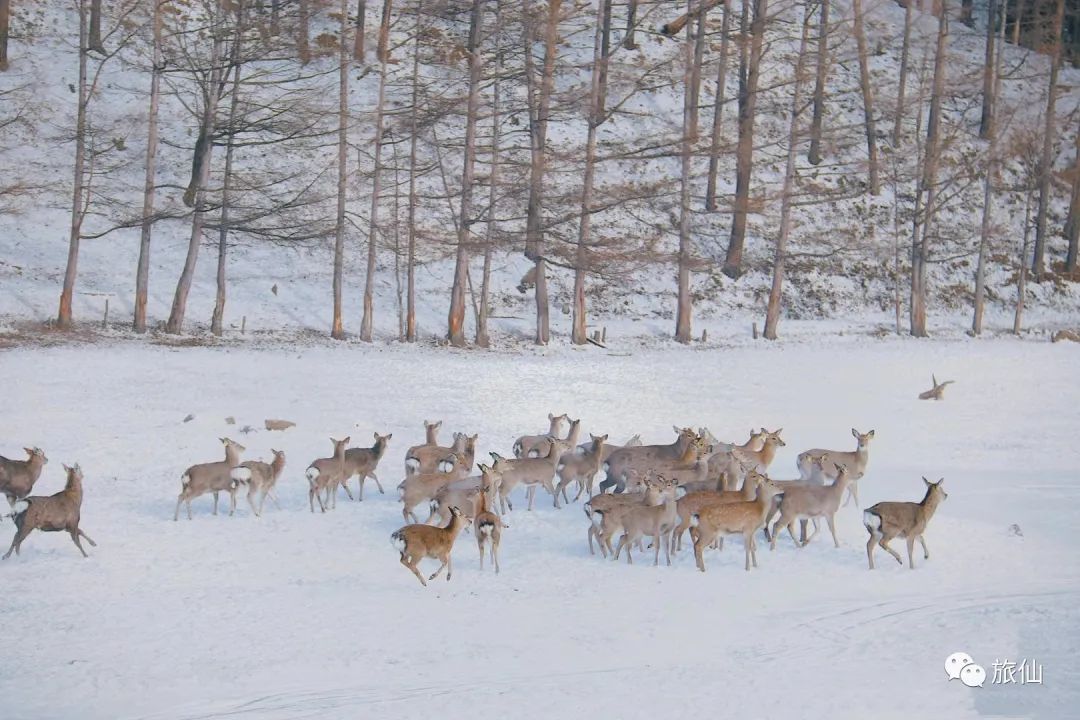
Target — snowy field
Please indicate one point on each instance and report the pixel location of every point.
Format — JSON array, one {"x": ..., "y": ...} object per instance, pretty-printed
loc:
[{"x": 296, "y": 615}]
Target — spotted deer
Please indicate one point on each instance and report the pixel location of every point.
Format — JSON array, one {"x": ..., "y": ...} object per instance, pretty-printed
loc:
[
  {"x": 694, "y": 502},
  {"x": 739, "y": 518}
]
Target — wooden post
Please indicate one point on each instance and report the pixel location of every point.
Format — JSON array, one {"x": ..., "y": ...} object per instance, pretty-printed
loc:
[
  {"x": 243, "y": 325},
  {"x": 105, "y": 320}
]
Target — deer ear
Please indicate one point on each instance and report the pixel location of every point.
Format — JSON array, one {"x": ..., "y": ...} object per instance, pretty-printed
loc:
[
  {"x": 928, "y": 483},
  {"x": 551, "y": 416},
  {"x": 939, "y": 482},
  {"x": 870, "y": 434},
  {"x": 29, "y": 451},
  {"x": 854, "y": 433}
]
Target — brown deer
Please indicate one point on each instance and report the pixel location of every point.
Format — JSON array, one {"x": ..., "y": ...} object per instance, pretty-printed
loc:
[
  {"x": 694, "y": 502},
  {"x": 489, "y": 527},
  {"x": 431, "y": 433},
  {"x": 635, "y": 441},
  {"x": 640, "y": 460},
  {"x": 466, "y": 494},
  {"x": 423, "y": 488},
  {"x": 55, "y": 513},
  {"x": 740, "y": 518},
  {"x": 529, "y": 472},
  {"x": 937, "y": 392},
  {"x": 599, "y": 505},
  {"x": 260, "y": 477},
  {"x": 580, "y": 468},
  {"x": 908, "y": 520},
  {"x": 363, "y": 461},
  {"x": 416, "y": 542},
  {"x": 212, "y": 477},
  {"x": 17, "y": 477},
  {"x": 326, "y": 475},
  {"x": 539, "y": 445},
  {"x": 855, "y": 461},
  {"x": 807, "y": 501},
  {"x": 654, "y": 521},
  {"x": 435, "y": 458}
]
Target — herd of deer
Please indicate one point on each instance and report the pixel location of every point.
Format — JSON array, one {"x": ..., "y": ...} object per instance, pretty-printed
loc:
[{"x": 654, "y": 492}]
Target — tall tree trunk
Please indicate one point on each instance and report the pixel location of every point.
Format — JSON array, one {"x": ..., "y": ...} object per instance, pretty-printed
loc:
[
  {"x": 303, "y": 32},
  {"x": 183, "y": 285},
  {"x": 456, "y": 318},
  {"x": 718, "y": 110},
  {"x": 744, "y": 157},
  {"x": 414, "y": 111},
  {"x": 596, "y": 94},
  {"x": 1017, "y": 23},
  {"x": 216, "y": 321},
  {"x": 382, "y": 51},
  {"x": 928, "y": 183},
  {"x": 373, "y": 226},
  {"x": 631, "y": 25},
  {"x": 94, "y": 42},
  {"x": 142, "y": 274},
  {"x": 1046, "y": 160},
  {"x": 988, "y": 185},
  {"x": 482, "y": 338},
  {"x": 819, "y": 84},
  {"x": 691, "y": 67},
  {"x": 358, "y": 40},
  {"x": 275, "y": 17},
  {"x": 905, "y": 49},
  {"x": 337, "y": 330},
  {"x": 986, "y": 120},
  {"x": 772, "y": 312},
  {"x": 538, "y": 162},
  {"x": 966, "y": 16},
  {"x": 1072, "y": 224},
  {"x": 1021, "y": 280},
  {"x": 63, "y": 318},
  {"x": 5, "y": 32},
  {"x": 867, "y": 96},
  {"x": 695, "y": 71}
]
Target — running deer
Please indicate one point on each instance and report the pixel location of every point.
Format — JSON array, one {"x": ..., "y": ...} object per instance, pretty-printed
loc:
[
  {"x": 642, "y": 458},
  {"x": 694, "y": 502},
  {"x": 416, "y": 542},
  {"x": 937, "y": 392},
  {"x": 212, "y": 477},
  {"x": 488, "y": 531},
  {"x": 604, "y": 512},
  {"x": 422, "y": 488},
  {"x": 326, "y": 475},
  {"x": 529, "y": 472},
  {"x": 908, "y": 520},
  {"x": 17, "y": 477},
  {"x": 580, "y": 468},
  {"x": 539, "y": 445},
  {"x": 806, "y": 501},
  {"x": 740, "y": 518},
  {"x": 655, "y": 521},
  {"x": 856, "y": 462},
  {"x": 363, "y": 461},
  {"x": 431, "y": 433},
  {"x": 260, "y": 477},
  {"x": 55, "y": 513}
]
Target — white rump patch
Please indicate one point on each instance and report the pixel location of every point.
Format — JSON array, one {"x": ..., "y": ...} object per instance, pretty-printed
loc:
[
  {"x": 312, "y": 474},
  {"x": 185, "y": 479},
  {"x": 19, "y": 507},
  {"x": 240, "y": 474},
  {"x": 871, "y": 521},
  {"x": 694, "y": 520},
  {"x": 398, "y": 542}
]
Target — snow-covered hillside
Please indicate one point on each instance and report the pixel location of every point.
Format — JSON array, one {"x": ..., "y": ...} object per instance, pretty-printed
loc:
[
  {"x": 309, "y": 615},
  {"x": 845, "y": 248}
]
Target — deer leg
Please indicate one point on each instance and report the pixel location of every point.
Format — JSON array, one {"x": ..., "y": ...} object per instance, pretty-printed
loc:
[
  {"x": 74, "y": 532},
  {"x": 812, "y": 535},
  {"x": 870, "y": 544},
  {"x": 773, "y": 509},
  {"x": 215, "y": 501},
  {"x": 699, "y": 546},
  {"x": 250, "y": 498},
  {"x": 345, "y": 484},
  {"x": 911, "y": 552},
  {"x": 884, "y": 543},
  {"x": 412, "y": 567},
  {"x": 591, "y": 551},
  {"x": 926, "y": 552},
  {"x": 495, "y": 553},
  {"x": 529, "y": 493},
  {"x": 17, "y": 541},
  {"x": 449, "y": 566},
  {"x": 751, "y": 551},
  {"x": 831, "y": 519},
  {"x": 480, "y": 544},
  {"x": 360, "y": 492},
  {"x": 378, "y": 484},
  {"x": 179, "y": 501},
  {"x": 802, "y": 531},
  {"x": 437, "y": 572},
  {"x": 86, "y": 538},
  {"x": 273, "y": 497},
  {"x": 232, "y": 502}
]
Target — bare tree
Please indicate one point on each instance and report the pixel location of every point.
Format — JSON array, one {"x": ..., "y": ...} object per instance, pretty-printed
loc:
[
  {"x": 358, "y": 41},
  {"x": 5, "y": 32},
  {"x": 210, "y": 101},
  {"x": 94, "y": 43},
  {"x": 867, "y": 96},
  {"x": 482, "y": 338},
  {"x": 1072, "y": 224},
  {"x": 456, "y": 319},
  {"x": 1038, "y": 263},
  {"x": 382, "y": 50},
  {"x": 691, "y": 68},
  {"x": 928, "y": 183},
  {"x": 694, "y": 79},
  {"x": 744, "y": 155},
  {"x": 819, "y": 84},
  {"x": 303, "y": 32},
  {"x": 990, "y": 123},
  {"x": 631, "y": 25},
  {"x": 337, "y": 330},
  {"x": 414, "y": 112},
  {"x": 718, "y": 110},
  {"x": 376, "y": 187},
  {"x": 905, "y": 51},
  {"x": 986, "y": 120},
  {"x": 142, "y": 275},
  {"x": 593, "y": 121},
  {"x": 772, "y": 312}
]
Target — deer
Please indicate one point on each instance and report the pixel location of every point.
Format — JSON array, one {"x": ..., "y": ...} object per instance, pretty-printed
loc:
[
  {"x": 489, "y": 527},
  {"x": 423, "y": 487},
  {"x": 761, "y": 459},
  {"x": 609, "y": 448},
  {"x": 213, "y": 477},
  {"x": 433, "y": 458},
  {"x": 692, "y": 469},
  {"x": 53, "y": 513},
  {"x": 937, "y": 392},
  {"x": 529, "y": 472},
  {"x": 416, "y": 542},
  {"x": 326, "y": 475},
  {"x": 695, "y": 502},
  {"x": 887, "y": 520},
  {"x": 642, "y": 458},
  {"x": 431, "y": 433},
  {"x": 363, "y": 461},
  {"x": 580, "y": 468},
  {"x": 17, "y": 477},
  {"x": 538, "y": 445},
  {"x": 817, "y": 477},
  {"x": 724, "y": 467},
  {"x": 260, "y": 477},
  {"x": 467, "y": 494},
  {"x": 739, "y": 518},
  {"x": 604, "y": 510},
  {"x": 810, "y": 502},
  {"x": 654, "y": 521},
  {"x": 855, "y": 461}
]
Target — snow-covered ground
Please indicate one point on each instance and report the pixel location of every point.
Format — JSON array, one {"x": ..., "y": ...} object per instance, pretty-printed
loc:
[{"x": 300, "y": 615}]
